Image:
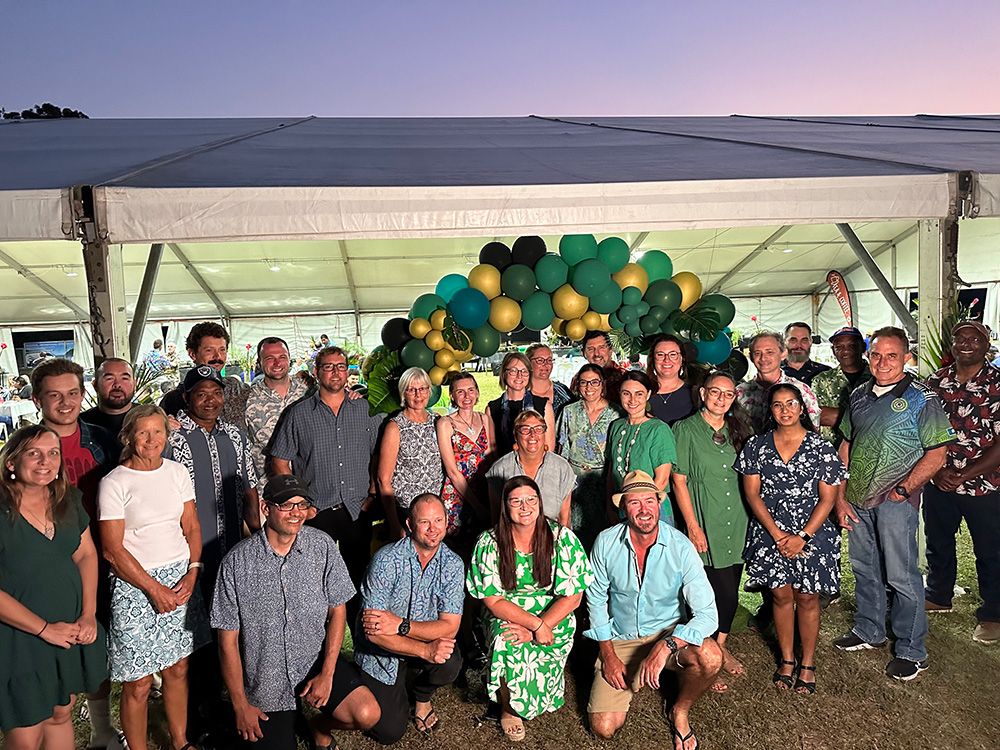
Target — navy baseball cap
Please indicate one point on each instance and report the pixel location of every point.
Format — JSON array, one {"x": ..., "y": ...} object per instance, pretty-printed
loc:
[
  {"x": 200, "y": 374},
  {"x": 847, "y": 331}
]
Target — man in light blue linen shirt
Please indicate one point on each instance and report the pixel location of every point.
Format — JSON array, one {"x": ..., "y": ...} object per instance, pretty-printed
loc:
[{"x": 645, "y": 572}]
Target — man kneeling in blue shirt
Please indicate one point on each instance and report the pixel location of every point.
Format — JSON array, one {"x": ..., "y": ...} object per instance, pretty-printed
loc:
[{"x": 645, "y": 571}]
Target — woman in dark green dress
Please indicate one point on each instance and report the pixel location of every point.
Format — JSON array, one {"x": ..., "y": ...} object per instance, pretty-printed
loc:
[{"x": 51, "y": 646}]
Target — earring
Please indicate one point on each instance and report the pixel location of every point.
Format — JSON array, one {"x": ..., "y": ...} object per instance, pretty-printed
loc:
[{"x": 13, "y": 476}]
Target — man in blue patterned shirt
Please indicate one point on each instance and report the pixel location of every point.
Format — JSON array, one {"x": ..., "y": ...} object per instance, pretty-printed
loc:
[{"x": 412, "y": 598}]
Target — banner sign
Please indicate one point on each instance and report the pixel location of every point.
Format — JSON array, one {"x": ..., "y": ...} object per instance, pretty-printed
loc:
[{"x": 839, "y": 288}]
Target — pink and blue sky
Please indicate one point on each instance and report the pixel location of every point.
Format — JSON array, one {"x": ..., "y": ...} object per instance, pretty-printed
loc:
[{"x": 217, "y": 58}]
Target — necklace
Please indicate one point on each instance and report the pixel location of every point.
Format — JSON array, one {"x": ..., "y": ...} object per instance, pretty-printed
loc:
[
  {"x": 48, "y": 530},
  {"x": 718, "y": 436},
  {"x": 468, "y": 428},
  {"x": 623, "y": 463}
]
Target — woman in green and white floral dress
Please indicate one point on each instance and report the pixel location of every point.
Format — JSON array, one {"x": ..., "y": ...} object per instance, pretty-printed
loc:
[{"x": 531, "y": 574}]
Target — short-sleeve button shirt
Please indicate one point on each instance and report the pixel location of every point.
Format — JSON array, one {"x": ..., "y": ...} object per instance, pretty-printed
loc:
[
  {"x": 264, "y": 408},
  {"x": 397, "y": 583},
  {"x": 752, "y": 395},
  {"x": 280, "y": 605},
  {"x": 809, "y": 370},
  {"x": 833, "y": 390}
]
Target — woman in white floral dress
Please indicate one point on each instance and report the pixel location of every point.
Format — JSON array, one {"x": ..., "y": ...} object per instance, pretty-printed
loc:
[{"x": 531, "y": 574}]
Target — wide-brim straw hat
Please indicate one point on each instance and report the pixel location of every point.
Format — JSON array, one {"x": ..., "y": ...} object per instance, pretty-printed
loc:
[{"x": 637, "y": 481}]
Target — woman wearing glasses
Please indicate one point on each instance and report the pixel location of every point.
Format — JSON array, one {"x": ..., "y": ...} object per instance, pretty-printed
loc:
[
  {"x": 540, "y": 357},
  {"x": 665, "y": 365},
  {"x": 515, "y": 376},
  {"x": 706, "y": 489},
  {"x": 151, "y": 537},
  {"x": 530, "y": 458},
  {"x": 789, "y": 476},
  {"x": 410, "y": 458},
  {"x": 531, "y": 575},
  {"x": 582, "y": 440}
]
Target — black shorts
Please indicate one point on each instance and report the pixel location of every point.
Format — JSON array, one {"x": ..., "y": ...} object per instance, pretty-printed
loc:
[{"x": 346, "y": 679}]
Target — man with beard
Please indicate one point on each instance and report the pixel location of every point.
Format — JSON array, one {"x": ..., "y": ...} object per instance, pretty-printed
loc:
[
  {"x": 115, "y": 390},
  {"x": 798, "y": 344},
  {"x": 208, "y": 344},
  {"x": 647, "y": 577},
  {"x": 596, "y": 348},
  {"x": 833, "y": 387}
]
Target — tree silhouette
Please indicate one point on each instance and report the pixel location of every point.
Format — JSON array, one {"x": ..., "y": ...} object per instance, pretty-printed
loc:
[{"x": 46, "y": 111}]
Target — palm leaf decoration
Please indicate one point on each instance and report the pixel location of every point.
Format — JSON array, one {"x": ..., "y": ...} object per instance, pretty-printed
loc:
[
  {"x": 383, "y": 380},
  {"x": 625, "y": 343},
  {"x": 697, "y": 323}
]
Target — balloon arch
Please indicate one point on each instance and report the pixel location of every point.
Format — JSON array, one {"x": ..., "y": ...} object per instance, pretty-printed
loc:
[{"x": 587, "y": 285}]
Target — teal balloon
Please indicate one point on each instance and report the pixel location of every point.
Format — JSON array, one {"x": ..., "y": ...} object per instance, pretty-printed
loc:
[
  {"x": 607, "y": 301},
  {"x": 649, "y": 324},
  {"x": 485, "y": 341},
  {"x": 642, "y": 308},
  {"x": 450, "y": 284},
  {"x": 659, "y": 313},
  {"x": 628, "y": 314},
  {"x": 536, "y": 311},
  {"x": 615, "y": 322},
  {"x": 590, "y": 277},
  {"x": 631, "y": 295},
  {"x": 713, "y": 352},
  {"x": 722, "y": 305},
  {"x": 657, "y": 264},
  {"x": 518, "y": 282},
  {"x": 575, "y": 248},
  {"x": 614, "y": 253},
  {"x": 416, "y": 353},
  {"x": 633, "y": 329},
  {"x": 435, "y": 395},
  {"x": 551, "y": 272},
  {"x": 469, "y": 308},
  {"x": 663, "y": 293},
  {"x": 425, "y": 304}
]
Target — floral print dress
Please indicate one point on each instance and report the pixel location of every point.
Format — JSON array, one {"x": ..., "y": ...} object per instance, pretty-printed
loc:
[
  {"x": 469, "y": 456},
  {"x": 534, "y": 674}
]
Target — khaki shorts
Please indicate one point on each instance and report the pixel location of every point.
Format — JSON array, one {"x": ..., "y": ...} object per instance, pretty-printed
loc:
[{"x": 606, "y": 699}]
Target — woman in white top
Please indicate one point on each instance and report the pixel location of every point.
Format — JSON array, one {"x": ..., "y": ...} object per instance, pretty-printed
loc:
[{"x": 151, "y": 537}]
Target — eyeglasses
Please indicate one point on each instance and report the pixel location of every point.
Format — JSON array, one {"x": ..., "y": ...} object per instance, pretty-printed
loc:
[
  {"x": 331, "y": 367},
  {"x": 520, "y": 502},
  {"x": 672, "y": 356},
  {"x": 418, "y": 391},
  {"x": 717, "y": 392},
  {"x": 517, "y": 373},
  {"x": 537, "y": 429},
  {"x": 595, "y": 383},
  {"x": 290, "y": 506},
  {"x": 542, "y": 360},
  {"x": 791, "y": 405}
]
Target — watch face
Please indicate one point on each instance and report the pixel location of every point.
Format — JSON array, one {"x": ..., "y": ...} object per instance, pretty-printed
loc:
[{"x": 404, "y": 627}]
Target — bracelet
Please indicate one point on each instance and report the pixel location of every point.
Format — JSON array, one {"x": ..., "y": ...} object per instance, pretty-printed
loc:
[
  {"x": 39, "y": 633},
  {"x": 196, "y": 566}
]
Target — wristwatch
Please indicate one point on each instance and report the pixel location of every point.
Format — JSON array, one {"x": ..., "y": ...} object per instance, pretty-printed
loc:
[
  {"x": 404, "y": 627},
  {"x": 671, "y": 644},
  {"x": 902, "y": 491},
  {"x": 804, "y": 535}
]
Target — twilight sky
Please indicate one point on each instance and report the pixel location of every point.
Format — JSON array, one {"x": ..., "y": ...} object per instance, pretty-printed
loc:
[{"x": 218, "y": 58}]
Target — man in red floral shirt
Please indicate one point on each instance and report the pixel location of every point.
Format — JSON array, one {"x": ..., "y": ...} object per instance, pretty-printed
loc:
[{"x": 969, "y": 483}]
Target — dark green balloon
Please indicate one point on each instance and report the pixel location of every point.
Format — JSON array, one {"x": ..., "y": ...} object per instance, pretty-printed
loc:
[
  {"x": 577, "y": 247},
  {"x": 614, "y": 253},
  {"x": 667, "y": 326},
  {"x": 518, "y": 282},
  {"x": 536, "y": 311},
  {"x": 425, "y": 304},
  {"x": 590, "y": 277},
  {"x": 614, "y": 321},
  {"x": 649, "y": 324},
  {"x": 663, "y": 293},
  {"x": 485, "y": 341},
  {"x": 657, "y": 264},
  {"x": 631, "y": 295},
  {"x": 551, "y": 272},
  {"x": 633, "y": 329},
  {"x": 417, "y": 354},
  {"x": 642, "y": 308},
  {"x": 659, "y": 313},
  {"x": 607, "y": 301},
  {"x": 722, "y": 305},
  {"x": 628, "y": 314}
]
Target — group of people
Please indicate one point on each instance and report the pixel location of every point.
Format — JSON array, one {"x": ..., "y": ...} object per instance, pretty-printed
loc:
[{"x": 133, "y": 537}]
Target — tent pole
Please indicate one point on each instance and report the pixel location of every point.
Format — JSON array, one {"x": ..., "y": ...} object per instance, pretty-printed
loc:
[
  {"x": 937, "y": 284},
  {"x": 880, "y": 280},
  {"x": 200, "y": 281},
  {"x": 145, "y": 298},
  {"x": 353, "y": 290}
]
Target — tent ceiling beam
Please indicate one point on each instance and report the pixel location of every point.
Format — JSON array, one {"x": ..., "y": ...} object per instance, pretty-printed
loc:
[
  {"x": 775, "y": 236},
  {"x": 51, "y": 291},
  {"x": 145, "y": 299},
  {"x": 884, "y": 247},
  {"x": 352, "y": 288},
  {"x": 224, "y": 312}
]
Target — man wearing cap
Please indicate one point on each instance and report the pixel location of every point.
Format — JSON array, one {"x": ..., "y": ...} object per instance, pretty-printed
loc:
[
  {"x": 895, "y": 439},
  {"x": 279, "y": 610},
  {"x": 968, "y": 485},
  {"x": 798, "y": 345},
  {"x": 767, "y": 348},
  {"x": 647, "y": 576},
  {"x": 833, "y": 387}
]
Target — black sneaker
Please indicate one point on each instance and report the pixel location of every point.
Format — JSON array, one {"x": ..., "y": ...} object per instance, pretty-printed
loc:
[
  {"x": 904, "y": 669},
  {"x": 851, "y": 641}
]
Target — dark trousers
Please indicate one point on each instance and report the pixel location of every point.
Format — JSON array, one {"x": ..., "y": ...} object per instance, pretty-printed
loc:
[
  {"x": 943, "y": 514},
  {"x": 354, "y": 538},
  {"x": 392, "y": 698},
  {"x": 726, "y": 585},
  {"x": 278, "y": 731}
]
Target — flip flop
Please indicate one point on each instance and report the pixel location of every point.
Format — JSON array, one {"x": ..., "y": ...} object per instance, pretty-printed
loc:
[
  {"x": 427, "y": 729},
  {"x": 683, "y": 737},
  {"x": 513, "y": 728}
]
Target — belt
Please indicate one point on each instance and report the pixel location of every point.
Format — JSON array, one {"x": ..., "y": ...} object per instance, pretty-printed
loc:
[{"x": 583, "y": 467}]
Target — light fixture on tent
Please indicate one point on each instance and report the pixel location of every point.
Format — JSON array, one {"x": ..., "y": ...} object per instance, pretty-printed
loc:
[
  {"x": 69, "y": 272},
  {"x": 272, "y": 265},
  {"x": 787, "y": 250}
]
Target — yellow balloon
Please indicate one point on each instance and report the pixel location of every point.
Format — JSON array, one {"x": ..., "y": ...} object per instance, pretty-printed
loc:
[
  {"x": 632, "y": 275},
  {"x": 605, "y": 323},
  {"x": 435, "y": 341},
  {"x": 568, "y": 304},
  {"x": 592, "y": 320},
  {"x": 437, "y": 375},
  {"x": 437, "y": 319},
  {"x": 485, "y": 278},
  {"x": 575, "y": 329},
  {"x": 455, "y": 367},
  {"x": 419, "y": 327},
  {"x": 557, "y": 326},
  {"x": 444, "y": 358},
  {"x": 690, "y": 288},
  {"x": 505, "y": 314}
]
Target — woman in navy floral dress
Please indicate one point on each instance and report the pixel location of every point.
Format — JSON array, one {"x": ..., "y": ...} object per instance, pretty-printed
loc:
[{"x": 789, "y": 475}]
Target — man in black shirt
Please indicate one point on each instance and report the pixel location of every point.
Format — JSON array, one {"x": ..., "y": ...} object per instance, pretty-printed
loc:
[
  {"x": 115, "y": 386},
  {"x": 798, "y": 344}
]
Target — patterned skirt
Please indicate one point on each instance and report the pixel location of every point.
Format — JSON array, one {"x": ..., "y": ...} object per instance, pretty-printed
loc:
[{"x": 142, "y": 641}]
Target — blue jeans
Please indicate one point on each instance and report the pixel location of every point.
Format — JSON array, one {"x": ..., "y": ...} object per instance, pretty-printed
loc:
[{"x": 883, "y": 552}]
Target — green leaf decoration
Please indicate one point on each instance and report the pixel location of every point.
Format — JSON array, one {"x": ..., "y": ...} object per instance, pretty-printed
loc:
[
  {"x": 697, "y": 323},
  {"x": 383, "y": 381},
  {"x": 625, "y": 343}
]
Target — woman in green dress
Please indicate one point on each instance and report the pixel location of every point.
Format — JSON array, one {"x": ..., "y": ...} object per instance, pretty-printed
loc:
[
  {"x": 531, "y": 574},
  {"x": 51, "y": 646},
  {"x": 707, "y": 491}
]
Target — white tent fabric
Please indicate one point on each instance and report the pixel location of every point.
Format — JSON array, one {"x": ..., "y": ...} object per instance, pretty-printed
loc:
[{"x": 8, "y": 361}]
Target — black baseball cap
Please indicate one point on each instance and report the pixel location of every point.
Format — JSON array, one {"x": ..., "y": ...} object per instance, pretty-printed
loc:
[
  {"x": 285, "y": 487},
  {"x": 200, "y": 374}
]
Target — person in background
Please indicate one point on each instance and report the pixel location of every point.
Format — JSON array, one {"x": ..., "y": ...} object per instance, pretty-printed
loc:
[
  {"x": 515, "y": 375},
  {"x": 23, "y": 388},
  {"x": 968, "y": 485},
  {"x": 115, "y": 391},
  {"x": 833, "y": 387},
  {"x": 531, "y": 574},
  {"x": 673, "y": 399},
  {"x": 155, "y": 359},
  {"x": 767, "y": 349},
  {"x": 596, "y": 348},
  {"x": 540, "y": 357},
  {"x": 798, "y": 345},
  {"x": 409, "y": 458},
  {"x": 172, "y": 357},
  {"x": 51, "y": 645},
  {"x": 706, "y": 488},
  {"x": 912, "y": 366}
]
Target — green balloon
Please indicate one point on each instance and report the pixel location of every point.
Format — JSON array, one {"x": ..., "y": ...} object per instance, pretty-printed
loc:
[
  {"x": 590, "y": 277},
  {"x": 663, "y": 293},
  {"x": 628, "y": 314},
  {"x": 607, "y": 301},
  {"x": 518, "y": 282},
  {"x": 551, "y": 272},
  {"x": 660, "y": 313},
  {"x": 485, "y": 341},
  {"x": 642, "y": 308},
  {"x": 657, "y": 264},
  {"x": 416, "y": 353},
  {"x": 536, "y": 311},
  {"x": 649, "y": 324},
  {"x": 633, "y": 330},
  {"x": 424, "y": 305},
  {"x": 631, "y": 295},
  {"x": 614, "y": 321},
  {"x": 722, "y": 305},
  {"x": 667, "y": 326},
  {"x": 577, "y": 247},
  {"x": 614, "y": 253}
]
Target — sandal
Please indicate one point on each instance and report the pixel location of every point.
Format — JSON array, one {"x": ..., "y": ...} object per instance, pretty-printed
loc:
[
  {"x": 513, "y": 728},
  {"x": 422, "y": 725},
  {"x": 783, "y": 681},
  {"x": 683, "y": 737},
  {"x": 801, "y": 686}
]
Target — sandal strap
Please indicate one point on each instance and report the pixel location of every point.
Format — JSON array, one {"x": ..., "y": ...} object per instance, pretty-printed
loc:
[{"x": 785, "y": 661}]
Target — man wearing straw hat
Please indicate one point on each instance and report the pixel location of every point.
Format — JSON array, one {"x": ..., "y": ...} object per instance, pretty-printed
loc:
[{"x": 647, "y": 575}]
